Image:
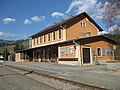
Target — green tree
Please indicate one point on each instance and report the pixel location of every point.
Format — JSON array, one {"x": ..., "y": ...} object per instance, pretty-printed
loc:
[
  {"x": 18, "y": 46},
  {"x": 5, "y": 54}
]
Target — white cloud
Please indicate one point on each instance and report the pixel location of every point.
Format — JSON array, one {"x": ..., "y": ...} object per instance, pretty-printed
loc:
[
  {"x": 94, "y": 8},
  {"x": 107, "y": 8},
  {"x": 103, "y": 32},
  {"x": 57, "y": 14},
  {"x": 27, "y": 21},
  {"x": 4, "y": 34},
  {"x": 37, "y": 18},
  {"x": 82, "y": 6},
  {"x": 114, "y": 29},
  {"x": 19, "y": 35},
  {"x": 8, "y": 20}
]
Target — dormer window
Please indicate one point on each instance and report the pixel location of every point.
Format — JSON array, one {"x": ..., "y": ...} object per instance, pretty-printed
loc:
[{"x": 82, "y": 24}]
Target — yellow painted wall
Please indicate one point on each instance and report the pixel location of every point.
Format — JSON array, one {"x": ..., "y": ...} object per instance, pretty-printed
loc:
[
  {"x": 75, "y": 31},
  {"x": 17, "y": 56},
  {"x": 51, "y": 39},
  {"x": 99, "y": 44}
]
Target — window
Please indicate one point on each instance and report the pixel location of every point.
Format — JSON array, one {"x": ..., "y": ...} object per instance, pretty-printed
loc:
[
  {"x": 72, "y": 52},
  {"x": 67, "y": 51},
  {"x": 35, "y": 41},
  {"x": 99, "y": 52},
  {"x": 82, "y": 24},
  {"x": 109, "y": 52},
  {"x": 44, "y": 38},
  {"x": 60, "y": 34},
  {"x": 53, "y": 35},
  {"x": 62, "y": 51},
  {"x": 40, "y": 39},
  {"x": 88, "y": 34},
  {"x": 103, "y": 51},
  {"x": 49, "y": 37}
]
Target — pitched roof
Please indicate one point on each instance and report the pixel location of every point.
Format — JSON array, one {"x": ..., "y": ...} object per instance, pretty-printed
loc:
[{"x": 67, "y": 22}]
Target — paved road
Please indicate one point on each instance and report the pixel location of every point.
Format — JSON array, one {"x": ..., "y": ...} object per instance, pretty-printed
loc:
[
  {"x": 10, "y": 80},
  {"x": 94, "y": 75}
]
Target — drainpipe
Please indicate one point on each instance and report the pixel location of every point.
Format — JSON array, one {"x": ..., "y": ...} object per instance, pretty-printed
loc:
[{"x": 75, "y": 42}]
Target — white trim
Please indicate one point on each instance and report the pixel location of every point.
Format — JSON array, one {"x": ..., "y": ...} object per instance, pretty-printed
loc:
[
  {"x": 77, "y": 51},
  {"x": 59, "y": 52},
  {"x": 78, "y": 54},
  {"x": 64, "y": 35}
]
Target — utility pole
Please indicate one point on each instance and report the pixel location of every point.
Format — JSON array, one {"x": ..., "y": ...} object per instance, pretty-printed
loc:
[{"x": 5, "y": 50}]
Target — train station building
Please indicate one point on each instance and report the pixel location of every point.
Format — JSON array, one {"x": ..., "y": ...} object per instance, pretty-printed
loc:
[{"x": 74, "y": 41}]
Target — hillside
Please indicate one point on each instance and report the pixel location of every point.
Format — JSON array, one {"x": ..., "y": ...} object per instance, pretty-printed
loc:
[
  {"x": 6, "y": 42},
  {"x": 10, "y": 44}
]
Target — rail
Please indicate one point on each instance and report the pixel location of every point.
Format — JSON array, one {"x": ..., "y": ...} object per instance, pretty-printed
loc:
[{"x": 89, "y": 87}]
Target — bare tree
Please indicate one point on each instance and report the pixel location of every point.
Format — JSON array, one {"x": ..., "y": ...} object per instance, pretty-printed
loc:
[{"x": 111, "y": 15}]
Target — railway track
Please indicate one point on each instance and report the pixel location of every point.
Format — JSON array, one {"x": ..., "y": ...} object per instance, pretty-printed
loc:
[{"x": 65, "y": 81}]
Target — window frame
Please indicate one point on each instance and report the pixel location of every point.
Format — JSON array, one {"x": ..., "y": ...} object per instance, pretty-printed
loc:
[
  {"x": 34, "y": 41},
  {"x": 60, "y": 34},
  {"x": 100, "y": 52},
  {"x": 62, "y": 52},
  {"x": 44, "y": 38},
  {"x": 54, "y": 35},
  {"x": 82, "y": 24},
  {"x": 104, "y": 51},
  {"x": 48, "y": 36},
  {"x": 40, "y": 39},
  {"x": 67, "y": 51}
]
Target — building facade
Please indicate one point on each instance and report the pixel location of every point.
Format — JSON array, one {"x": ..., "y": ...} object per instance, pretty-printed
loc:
[{"x": 74, "y": 41}]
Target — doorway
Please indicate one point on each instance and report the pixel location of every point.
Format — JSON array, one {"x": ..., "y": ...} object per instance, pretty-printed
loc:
[
  {"x": 50, "y": 54},
  {"x": 86, "y": 55}
]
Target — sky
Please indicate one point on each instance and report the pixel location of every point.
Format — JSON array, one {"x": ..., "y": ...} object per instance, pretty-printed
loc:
[{"x": 20, "y": 19}]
